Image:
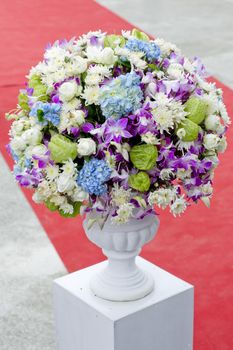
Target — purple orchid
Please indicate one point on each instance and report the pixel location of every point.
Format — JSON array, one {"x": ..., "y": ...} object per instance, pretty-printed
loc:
[{"x": 29, "y": 178}]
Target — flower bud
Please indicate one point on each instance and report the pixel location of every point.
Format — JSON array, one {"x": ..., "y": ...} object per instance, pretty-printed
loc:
[{"x": 211, "y": 141}]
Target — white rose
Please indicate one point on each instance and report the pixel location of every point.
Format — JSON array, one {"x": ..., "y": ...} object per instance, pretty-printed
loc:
[
  {"x": 79, "y": 116},
  {"x": 64, "y": 183},
  {"x": 212, "y": 122},
  {"x": 107, "y": 56},
  {"x": 17, "y": 144},
  {"x": 68, "y": 90},
  {"x": 86, "y": 147},
  {"x": 211, "y": 141},
  {"x": 222, "y": 145},
  {"x": 80, "y": 65},
  {"x": 32, "y": 136}
]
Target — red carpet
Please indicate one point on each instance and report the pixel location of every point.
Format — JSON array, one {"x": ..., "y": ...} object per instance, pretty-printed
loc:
[{"x": 196, "y": 247}]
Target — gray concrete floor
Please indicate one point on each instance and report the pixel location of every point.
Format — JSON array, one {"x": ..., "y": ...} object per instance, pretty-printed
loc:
[
  {"x": 28, "y": 261},
  {"x": 28, "y": 265},
  {"x": 201, "y": 28}
]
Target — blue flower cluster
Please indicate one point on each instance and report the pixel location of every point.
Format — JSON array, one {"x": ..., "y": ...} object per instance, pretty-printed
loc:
[
  {"x": 46, "y": 112},
  {"x": 121, "y": 96},
  {"x": 93, "y": 175},
  {"x": 151, "y": 50}
]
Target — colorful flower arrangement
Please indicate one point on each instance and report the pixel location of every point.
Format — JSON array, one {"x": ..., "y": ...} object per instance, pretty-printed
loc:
[{"x": 117, "y": 124}]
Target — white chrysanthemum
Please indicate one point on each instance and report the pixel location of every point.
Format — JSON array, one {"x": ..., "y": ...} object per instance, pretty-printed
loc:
[
  {"x": 223, "y": 113},
  {"x": 71, "y": 105},
  {"x": 37, "y": 198},
  {"x": 150, "y": 138},
  {"x": 188, "y": 65},
  {"x": 93, "y": 79},
  {"x": 135, "y": 58},
  {"x": 161, "y": 197},
  {"x": 91, "y": 95},
  {"x": 124, "y": 212},
  {"x": 57, "y": 199},
  {"x": 175, "y": 71},
  {"x": 212, "y": 102},
  {"x": 100, "y": 70},
  {"x": 69, "y": 168},
  {"x": 206, "y": 189},
  {"x": 166, "y": 47},
  {"x": 183, "y": 174},
  {"x": 44, "y": 189},
  {"x": 52, "y": 172},
  {"x": 178, "y": 206},
  {"x": 222, "y": 145},
  {"x": 164, "y": 118},
  {"x": 166, "y": 174},
  {"x": 119, "y": 195},
  {"x": 67, "y": 208}
]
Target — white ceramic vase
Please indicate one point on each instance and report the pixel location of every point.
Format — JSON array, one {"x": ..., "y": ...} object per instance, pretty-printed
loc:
[{"x": 121, "y": 279}]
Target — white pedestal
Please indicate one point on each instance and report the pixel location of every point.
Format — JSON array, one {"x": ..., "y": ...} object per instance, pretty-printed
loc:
[{"x": 162, "y": 320}]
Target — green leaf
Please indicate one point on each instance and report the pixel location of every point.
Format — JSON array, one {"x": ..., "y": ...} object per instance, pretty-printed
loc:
[
  {"x": 197, "y": 109},
  {"x": 140, "y": 35},
  {"x": 23, "y": 101},
  {"x": 40, "y": 115},
  {"x": 153, "y": 67},
  {"x": 143, "y": 157},
  {"x": 76, "y": 211},
  {"x": 51, "y": 206},
  {"x": 139, "y": 181},
  {"x": 191, "y": 130},
  {"x": 62, "y": 148},
  {"x": 113, "y": 41}
]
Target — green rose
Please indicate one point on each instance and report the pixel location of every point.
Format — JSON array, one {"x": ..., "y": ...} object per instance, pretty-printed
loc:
[
  {"x": 62, "y": 148},
  {"x": 143, "y": 157},
  {"x": 190, "y": 131},
  {"x": 76, "y": 211},
  {"x": 23, "y": 101},
  {"x": 197, "y": 109},
  {"x": 139, "y": 181},
  {"x": 140, "y": 35},
  {"x": 34, "y": 80},
  {"x": 39, "y": 89},
  {"x": 113, "y": 41}
]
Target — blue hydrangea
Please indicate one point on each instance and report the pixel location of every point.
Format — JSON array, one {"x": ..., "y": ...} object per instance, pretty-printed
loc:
[
  {"x": 150, "y": 49},
  {"x": 93, "y": 175},
  {"x": 121, "y": 96},
  {"x": 46, "y": 112}
]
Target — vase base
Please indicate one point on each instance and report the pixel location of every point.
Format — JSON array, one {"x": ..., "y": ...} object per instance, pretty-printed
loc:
[{"x": 127, "y": 288}]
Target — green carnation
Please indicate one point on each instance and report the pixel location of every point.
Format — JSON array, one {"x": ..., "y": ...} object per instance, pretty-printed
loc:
[
  {"x": 113, "y": 41},
  {"x": 76, "y": 211},
  {"x": 143, "y": 157},
  {"x": 140, "y": 35},
  {"x": 23, "y": 101},
  {"x": 140, "y": 181},
  {"x": 191, "y": 130},
  {"x": 197, "y": 109},
  {"x": 39, "y": 89},
  {"x": 62, "y": 148}
]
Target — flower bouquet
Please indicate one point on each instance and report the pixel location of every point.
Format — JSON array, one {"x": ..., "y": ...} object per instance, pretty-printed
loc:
[{"x": 115, "y": 125}]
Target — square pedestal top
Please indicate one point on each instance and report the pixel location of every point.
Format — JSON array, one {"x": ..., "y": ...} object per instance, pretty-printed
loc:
[{"x": 166, "y": 286}]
